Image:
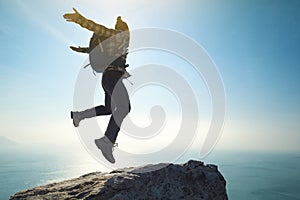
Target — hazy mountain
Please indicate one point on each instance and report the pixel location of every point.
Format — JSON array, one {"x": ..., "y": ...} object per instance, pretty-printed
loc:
[{"x": 5, "y": 142}]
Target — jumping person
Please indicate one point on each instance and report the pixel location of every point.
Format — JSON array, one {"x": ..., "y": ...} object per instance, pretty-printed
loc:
[{"x": 117, "y": 104}]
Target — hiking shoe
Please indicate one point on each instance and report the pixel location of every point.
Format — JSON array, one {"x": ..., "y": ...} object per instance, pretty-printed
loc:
[
  {"x": 76, "y": 118},
  {"x": 106, "y": 146}
]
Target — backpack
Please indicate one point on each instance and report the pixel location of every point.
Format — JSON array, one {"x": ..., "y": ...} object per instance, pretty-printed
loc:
[{"x": 103, "y": 52}]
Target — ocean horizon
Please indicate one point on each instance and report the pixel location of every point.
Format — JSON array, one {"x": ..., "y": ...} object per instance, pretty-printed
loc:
[{"x": 249, "y": 175}]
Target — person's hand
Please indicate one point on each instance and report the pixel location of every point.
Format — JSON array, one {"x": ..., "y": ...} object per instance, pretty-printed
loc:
[
  {"x": 79, "y": 49},
  {"x": 72, "y": 17}
]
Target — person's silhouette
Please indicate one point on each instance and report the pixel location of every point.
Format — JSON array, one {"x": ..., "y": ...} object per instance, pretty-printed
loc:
[{"x": 117, "y": 103}]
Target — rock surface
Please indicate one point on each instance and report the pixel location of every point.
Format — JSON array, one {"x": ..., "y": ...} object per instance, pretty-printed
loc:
[{"x": 192, "y": 180}]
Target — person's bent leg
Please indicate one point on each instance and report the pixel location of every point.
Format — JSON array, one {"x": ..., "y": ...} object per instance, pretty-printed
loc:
[
  {"x": 96, "y": 111},
  {"x": 105, "y": 109}
]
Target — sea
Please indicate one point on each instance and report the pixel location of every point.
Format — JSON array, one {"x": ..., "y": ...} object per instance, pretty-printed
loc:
[{"x": 249, "y": 175}]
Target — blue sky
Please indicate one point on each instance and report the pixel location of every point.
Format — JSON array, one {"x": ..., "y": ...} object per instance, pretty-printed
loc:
[{"x": 255, "y": 45}]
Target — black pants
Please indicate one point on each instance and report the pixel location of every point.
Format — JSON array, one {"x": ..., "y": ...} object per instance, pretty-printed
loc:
[{"x": 116, "y": 102}]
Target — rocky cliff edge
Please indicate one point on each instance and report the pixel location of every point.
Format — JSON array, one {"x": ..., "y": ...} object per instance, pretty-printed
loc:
[{"x": 192, "y": 180}]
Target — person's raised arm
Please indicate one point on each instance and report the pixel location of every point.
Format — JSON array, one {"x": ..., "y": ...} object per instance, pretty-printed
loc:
[{"x": 100, "y": 30}]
